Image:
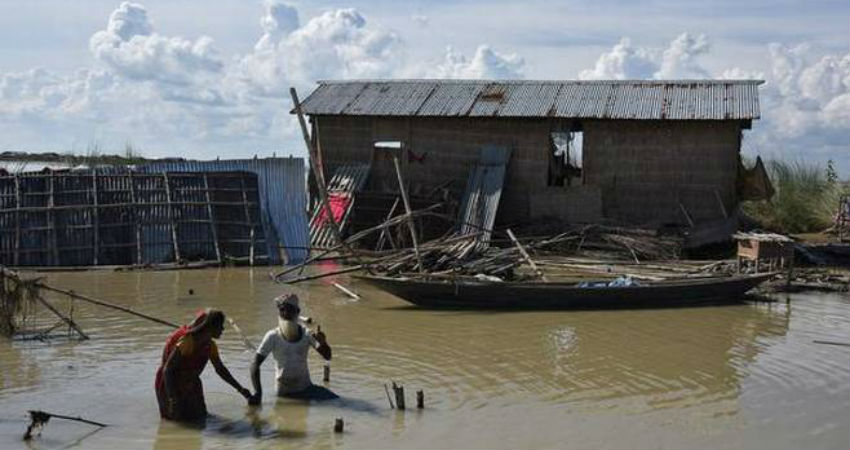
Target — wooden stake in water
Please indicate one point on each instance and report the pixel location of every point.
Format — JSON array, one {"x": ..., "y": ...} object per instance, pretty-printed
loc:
[
  {"x": 338, "y": 425},
  {"x": 399, "y": 396}
]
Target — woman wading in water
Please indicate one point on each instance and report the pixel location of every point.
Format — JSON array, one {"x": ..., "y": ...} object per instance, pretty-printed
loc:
[{"x": 187, "y": 350}]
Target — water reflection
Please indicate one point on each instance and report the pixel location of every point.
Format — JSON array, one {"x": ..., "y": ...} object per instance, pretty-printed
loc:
[{"x": 667, "y": 358}]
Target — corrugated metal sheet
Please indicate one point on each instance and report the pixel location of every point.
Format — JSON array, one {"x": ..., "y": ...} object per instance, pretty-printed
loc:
[
  {"x": 627, "y": 99},
  {"x": 347, "y": 180},
  {"x": 283, "y": 198},
  {"x": 483, "y": 191}
]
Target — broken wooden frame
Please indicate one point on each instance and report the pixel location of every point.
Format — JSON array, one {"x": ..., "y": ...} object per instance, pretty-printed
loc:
[{"x": 126, "y": 218}]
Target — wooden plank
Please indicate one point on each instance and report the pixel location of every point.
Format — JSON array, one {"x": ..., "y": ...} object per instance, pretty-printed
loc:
[
  {"x": 52, "y": 242},
  {"x": 17, "y": 219},
  {"x": 95, "y": 218},
  {"x": 248, "y": 219},
  {"x": 171, "y": 217},
  {"x": 138, "y": 222}
]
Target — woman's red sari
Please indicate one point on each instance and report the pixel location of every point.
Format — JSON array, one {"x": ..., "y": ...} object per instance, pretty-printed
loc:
[{"x": 188, "y": 391}]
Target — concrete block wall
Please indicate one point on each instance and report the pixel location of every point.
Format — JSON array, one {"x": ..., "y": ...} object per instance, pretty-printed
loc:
[{"x": 645, "y": 169}]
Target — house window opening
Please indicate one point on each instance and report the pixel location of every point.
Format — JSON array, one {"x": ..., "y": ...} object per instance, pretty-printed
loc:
[{"x": 565, "y": 158}]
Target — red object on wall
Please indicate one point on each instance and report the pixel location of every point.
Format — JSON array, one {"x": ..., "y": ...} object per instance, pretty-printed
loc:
[{"x": 339, "y": 202}]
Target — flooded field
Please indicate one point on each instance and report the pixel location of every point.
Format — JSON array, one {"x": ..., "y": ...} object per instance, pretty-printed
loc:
[{"x": 741, "y": 376}]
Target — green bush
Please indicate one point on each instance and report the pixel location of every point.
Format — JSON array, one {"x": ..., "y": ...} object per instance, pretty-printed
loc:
[{"x": 806, "y": 198}]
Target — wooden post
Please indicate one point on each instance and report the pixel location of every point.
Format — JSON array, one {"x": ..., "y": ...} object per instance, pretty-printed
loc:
[
  {"x": 399, "y": 396},
  {"x": 410, "y": 224},
  {"x": 137, "y": 220},
  {"x": 526, "y": 257},
  {"x": 51, "y": 222},
  {"x": 95, "y": 217},
  {"x": 420, "y": 399},
  {"x": 317, "y": 172},
  {"x": 211, "y": 216},
  {"x": 248, "y": 220},
  {"x": 790, "y": 262},
  {"x": 338, "y": 425},
  {"x": 17, "y": 219},
  {"x": 326, "y": 373},
  {"x": 172, "y": 218}
]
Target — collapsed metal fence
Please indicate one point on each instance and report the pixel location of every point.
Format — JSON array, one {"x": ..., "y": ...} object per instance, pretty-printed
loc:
[{"x": 107, "y": 218}]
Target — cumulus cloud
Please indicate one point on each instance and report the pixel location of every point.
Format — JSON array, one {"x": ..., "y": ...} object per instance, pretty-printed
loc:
[
  {"x": 807, "y": 99},
  {"x": 622, "y": 62},
  {"x": 131, "y": 48},
  {"x": 678, "y": 60},
  {"x": 335, "y": 44},
  {"x": 486, "y": 63},
  {"x": 805, "y": 102},
  {"x": 177, "y": 91}
]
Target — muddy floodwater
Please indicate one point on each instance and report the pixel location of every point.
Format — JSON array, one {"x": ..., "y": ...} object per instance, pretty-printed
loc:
[{"x": 743, "y": 376}]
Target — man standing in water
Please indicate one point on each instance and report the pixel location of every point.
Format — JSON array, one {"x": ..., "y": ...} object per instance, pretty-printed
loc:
[{"x": 289, "y": 343}]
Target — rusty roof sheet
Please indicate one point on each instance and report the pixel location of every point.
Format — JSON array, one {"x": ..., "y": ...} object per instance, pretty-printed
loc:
[{"x": 620, "y": 99}]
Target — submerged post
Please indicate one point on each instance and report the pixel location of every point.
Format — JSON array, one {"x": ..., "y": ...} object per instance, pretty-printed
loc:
[{"x": 399, "y": 396}]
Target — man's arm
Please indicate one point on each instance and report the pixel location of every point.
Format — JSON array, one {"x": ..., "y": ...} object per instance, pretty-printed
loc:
[
  {"x": 255, "y": 379},
  {"x": 323, "y": 348}
]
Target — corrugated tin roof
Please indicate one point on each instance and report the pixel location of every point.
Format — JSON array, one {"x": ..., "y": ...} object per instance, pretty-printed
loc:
[{"x": 620, "y": 99}]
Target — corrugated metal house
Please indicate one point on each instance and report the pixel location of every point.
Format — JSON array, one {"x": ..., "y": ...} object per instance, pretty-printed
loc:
[{"x": 652, "y": 153}]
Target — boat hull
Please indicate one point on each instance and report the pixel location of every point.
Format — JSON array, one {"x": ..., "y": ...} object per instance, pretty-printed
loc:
[{"x": 496, "y": 295}]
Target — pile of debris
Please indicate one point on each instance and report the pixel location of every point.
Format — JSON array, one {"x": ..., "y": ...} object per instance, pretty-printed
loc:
[{"x": 501, "y": 256}]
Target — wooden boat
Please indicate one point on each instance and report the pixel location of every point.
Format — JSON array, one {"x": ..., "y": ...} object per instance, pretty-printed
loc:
[{"x": 477, "y": 294}]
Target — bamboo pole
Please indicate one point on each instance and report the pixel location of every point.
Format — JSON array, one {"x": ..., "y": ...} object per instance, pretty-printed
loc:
[
  {"x": 39, "y": 418},
  {"x": 138, "y": 224},
  {"x": 107, "y": 304},
  {"x": 171, "y": 218},
  {"x": 410, "y": 224},
  {"x": 317, "y": 172},
  {"x": 326, "y": 274},
  {"x": 67, "y": 320},
  {"x": 17, "y": 219},
  {"x": 53, "y": 242},
  {"x": 526, "y": 257},
  {"x": 347, "y": 291},
  {"x": 384, "y": 232}
]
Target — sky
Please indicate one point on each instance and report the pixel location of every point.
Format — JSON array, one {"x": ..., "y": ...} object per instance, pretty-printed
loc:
[{"x": 207, "y": 79}]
